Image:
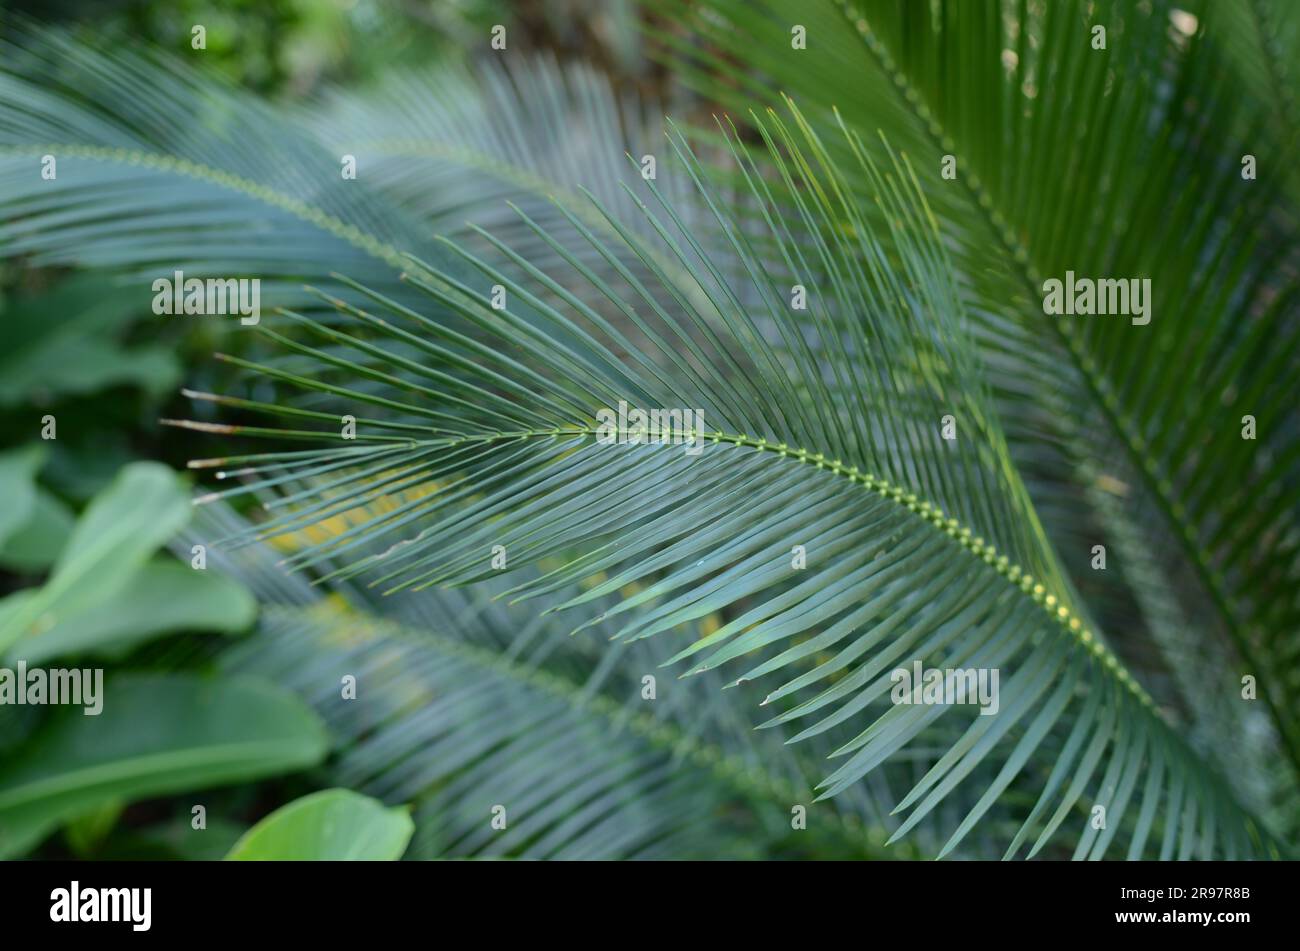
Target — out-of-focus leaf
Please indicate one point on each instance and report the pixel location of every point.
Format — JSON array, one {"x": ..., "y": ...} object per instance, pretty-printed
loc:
[
  {"x": 122, "y": 527},
  {"x": 18, "y": 470},
  {"x": 16, "y": 724},
  {"x": 87, "y": 832},
  {"x": 64, "y": 342},
  {"x": 35, "y": 544},
  {"x": 161, "y": 597},
  {"x": 157, "y": 735},
  {"x": 333, "y": 825}
]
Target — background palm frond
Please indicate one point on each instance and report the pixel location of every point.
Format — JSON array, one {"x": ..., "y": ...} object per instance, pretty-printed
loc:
[{"x": 443, "y": 720}]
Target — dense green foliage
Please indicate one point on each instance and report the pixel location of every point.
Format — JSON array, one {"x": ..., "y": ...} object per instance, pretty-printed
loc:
[{"x": 561, "y": 648}]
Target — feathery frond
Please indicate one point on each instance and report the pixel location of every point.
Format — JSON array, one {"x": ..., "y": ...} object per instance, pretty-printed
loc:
[{"x": 918, "y": 548}]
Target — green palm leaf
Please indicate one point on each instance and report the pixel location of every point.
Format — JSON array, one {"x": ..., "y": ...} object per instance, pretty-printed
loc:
[
  {"x": 1115, "y": 163},
  {"x": 163, "y": 166},
  {"x": 919, "y": 548},
  {"x": 558, "y": 731},
  {"x": 158, "y": 167}
]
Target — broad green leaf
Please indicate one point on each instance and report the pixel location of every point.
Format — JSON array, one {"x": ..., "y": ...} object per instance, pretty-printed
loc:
[
  {"x": 85, "y": 364},
  {"x": 156, "y": 735},
  {"x": 35, "y": 544},
  {"x": 125, "y": 524},
  {"x": 18, "y": 470},
  {"x": 162, "y": 597},
  {"x": 332, "y": 825}
]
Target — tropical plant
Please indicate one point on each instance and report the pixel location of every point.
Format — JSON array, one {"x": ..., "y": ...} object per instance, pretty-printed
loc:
[
  {"x": 1131, "y": 160},
  {"x": 142, "y": 734},
  {"x": 901, "y": 458}
]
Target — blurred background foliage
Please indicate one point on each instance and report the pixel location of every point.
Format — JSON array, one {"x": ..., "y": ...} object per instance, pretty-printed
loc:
[
  {"x": 288, "y": 48},
  {"x": 109, "y": 370},
  {"x": 83, "y": 347}
]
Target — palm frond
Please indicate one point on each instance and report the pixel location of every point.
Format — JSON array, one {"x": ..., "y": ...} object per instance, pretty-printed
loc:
[
  {"x": 454, "y": 145},
  {"x": 162, "y": 166},
  {"x": 464, "y": 703},
  {"x": 1122, "y": 162},
  {"x": 919, "y": 548}
]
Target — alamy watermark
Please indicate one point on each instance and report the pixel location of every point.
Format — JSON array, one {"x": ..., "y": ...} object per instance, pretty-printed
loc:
[
  {"x": 945, "y": 686},
  {"x": 215, "y": 295},
  {"x": 632, "y": 426},
  {"x": 56, "y": 687},
  {"x": 133, "y": 906},
  {"x": 1129, "y": 297}
]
